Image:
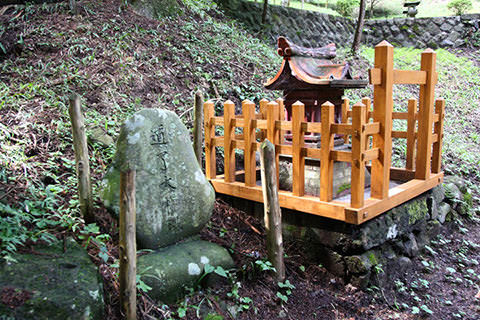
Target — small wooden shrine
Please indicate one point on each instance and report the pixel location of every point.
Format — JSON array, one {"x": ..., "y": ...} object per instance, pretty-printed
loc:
[
  {"x": 308, "y": 75},
  {"x": 368, "y": 125}
]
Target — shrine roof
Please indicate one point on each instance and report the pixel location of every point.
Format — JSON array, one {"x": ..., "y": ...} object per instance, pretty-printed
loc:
[{"x": 311, "y": 67}]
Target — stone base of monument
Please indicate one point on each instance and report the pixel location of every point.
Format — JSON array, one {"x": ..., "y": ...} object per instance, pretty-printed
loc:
[
  {"x": 170, "y": 271},
  {"x": 386, "y": 243}
]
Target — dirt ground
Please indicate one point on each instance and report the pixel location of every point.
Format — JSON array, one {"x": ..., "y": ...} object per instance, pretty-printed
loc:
[{"x": 444, "y": 282}]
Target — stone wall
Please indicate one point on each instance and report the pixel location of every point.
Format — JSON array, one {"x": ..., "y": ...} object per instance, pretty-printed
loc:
[
  {"x": 388, "y": 242},
  {"x": 313, "y": 29},
  {"x": 303, "y": 27}
]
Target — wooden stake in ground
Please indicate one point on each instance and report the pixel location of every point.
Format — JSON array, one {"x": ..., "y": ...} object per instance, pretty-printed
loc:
[
  {"x": 81, "y": 159},
  {"x": 273, "y": 214},
  {"x": 128, "y": 246},
  {"x": 197, "y": 126}
]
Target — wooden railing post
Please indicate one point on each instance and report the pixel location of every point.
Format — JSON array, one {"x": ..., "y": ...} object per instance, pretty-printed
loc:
[
  {"x": 298, "y": 141},
  {"x": 273, "y": 135},
  {"x": 281, "y": 117},
  {"x": 229, "y": 135},
  {"x": 248, "y": 109},
  {"x": 411, "y": 128},
  {"x": 425, "y": 116},
  {"x": 368, "y": 106},
  {"x": 326, "y": 161},
  {"x": 359, "y": 139},
  {"x": 382, "y": 113},
  {"x": 438, "y": 130},
  {"x": 263, "y": 111},
  {"x": 210, "y": 159},
  {"x": 345, "y": 109},
  {"x": 128, "y": 245}
]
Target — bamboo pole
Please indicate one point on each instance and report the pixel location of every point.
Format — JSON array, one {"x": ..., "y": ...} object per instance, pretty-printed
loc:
[
  {"x": 197, "y": 126},
  {"x": 273, "y": 213},
  {"x": 82, "y": 162},
  {"x": 128, "y": 247}
]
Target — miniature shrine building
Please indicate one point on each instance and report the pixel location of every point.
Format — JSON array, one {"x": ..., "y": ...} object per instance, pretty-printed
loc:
[{"x": 308, "y": 75}]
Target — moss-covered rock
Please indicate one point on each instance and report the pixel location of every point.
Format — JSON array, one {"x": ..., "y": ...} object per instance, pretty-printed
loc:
[
  {"x": 60, "y": 285},
  {"x": 174, "y": 200},
  {"x": 171, "y": 270}
]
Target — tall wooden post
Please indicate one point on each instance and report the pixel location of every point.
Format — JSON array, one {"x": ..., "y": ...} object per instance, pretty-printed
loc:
[
  {"x": 248, "y": 109},
  {"x": 210, "y": 159},
  {"x": 298, "y": 141},
  {"x": 359, "y": 140},
  {"x": 197, "y": 126},
  {"x": 82, "y": 163},
  {"x": 437, "y": 146},
  {"x": 273, "y": 213},
  {"x": 128, "y": 246},
  {"x": 425, "y": 116},
  {"x": 326, "y": 161},
  {"x": 229, "y": 135},
  {"x": 382, "y": 113}
]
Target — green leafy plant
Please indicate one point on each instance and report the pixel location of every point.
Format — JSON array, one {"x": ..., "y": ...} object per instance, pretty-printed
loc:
[
  {"x": 346, "y": 7},
  {"x": 460, "y": 6},
  {"x": 265, "y": 265},
  {"x": 286, "y": 288}
]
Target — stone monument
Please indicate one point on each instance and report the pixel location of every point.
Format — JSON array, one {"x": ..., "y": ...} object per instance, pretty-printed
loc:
[{"x": 174, "y": 200}]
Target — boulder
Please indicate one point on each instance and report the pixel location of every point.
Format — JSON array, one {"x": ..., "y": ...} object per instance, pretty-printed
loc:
[
  {"x": 98, "y": 136},
  {"x": 169, "y": 271},
  {"x": 174, "y": 200},
  {"x": 443, "y": 211},
  {"x": 51, "y": 284},
  {"x": 453, "y": 195}
]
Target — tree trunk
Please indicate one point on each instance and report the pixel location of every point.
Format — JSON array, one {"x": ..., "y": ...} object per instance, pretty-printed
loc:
[
  {"x": 358, "y": 31},
  {"x": 264, "y": 13}
]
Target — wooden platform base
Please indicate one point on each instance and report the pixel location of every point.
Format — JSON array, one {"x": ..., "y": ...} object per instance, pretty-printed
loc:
[{"x": 335, "y": 209}]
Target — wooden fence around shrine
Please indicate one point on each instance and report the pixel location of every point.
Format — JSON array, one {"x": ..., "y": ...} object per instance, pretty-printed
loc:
[{"x": 422, "y": 171}]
